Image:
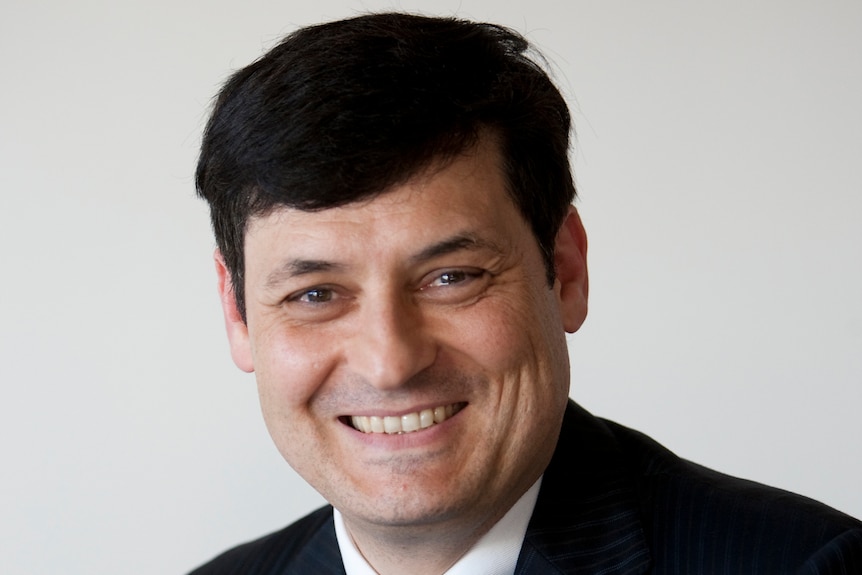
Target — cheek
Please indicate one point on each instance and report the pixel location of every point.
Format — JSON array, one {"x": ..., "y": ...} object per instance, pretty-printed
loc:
[
  {"x": 290, "y": 370},
  {"x": 290, "y": 374},
  {"x": 511, "y": 340}
]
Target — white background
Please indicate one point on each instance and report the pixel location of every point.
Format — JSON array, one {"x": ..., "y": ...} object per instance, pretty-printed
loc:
[{"x": 719, "y": 168}]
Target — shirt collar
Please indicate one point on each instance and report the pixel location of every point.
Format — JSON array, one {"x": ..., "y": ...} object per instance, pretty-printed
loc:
[{"x": 496, "y": 552}]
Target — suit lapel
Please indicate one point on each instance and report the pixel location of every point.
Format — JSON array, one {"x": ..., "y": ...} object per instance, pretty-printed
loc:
[
  {"x": 321, "y": 555},
  {"x": 586, "y": 519}
]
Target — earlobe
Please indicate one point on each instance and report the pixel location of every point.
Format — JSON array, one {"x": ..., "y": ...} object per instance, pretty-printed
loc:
[
  {"x": 237, "y": 330},
  {"x": 570, "y": 261}
]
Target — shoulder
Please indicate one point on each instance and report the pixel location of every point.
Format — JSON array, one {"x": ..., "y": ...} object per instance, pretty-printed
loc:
[
  {"x": 707, "y": 518},
  {"x": 279, "y": 551}
]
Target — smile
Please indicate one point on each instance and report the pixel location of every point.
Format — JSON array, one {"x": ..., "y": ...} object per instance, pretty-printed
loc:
[{"x": 407, "y": 423}]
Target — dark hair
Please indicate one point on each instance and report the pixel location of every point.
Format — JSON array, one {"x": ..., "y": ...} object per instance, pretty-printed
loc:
[{"x": 342, "y": 111}]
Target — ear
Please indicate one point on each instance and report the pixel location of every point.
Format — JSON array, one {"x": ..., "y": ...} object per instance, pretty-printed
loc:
[
  {"x": 570, "y": 261},
  {"x": 237, "y": 330}
]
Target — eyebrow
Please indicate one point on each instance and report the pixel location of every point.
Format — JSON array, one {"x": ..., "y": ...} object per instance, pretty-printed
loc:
[
  {"x": 459, "y": 242},
  {"x": 298, "y": 267}
]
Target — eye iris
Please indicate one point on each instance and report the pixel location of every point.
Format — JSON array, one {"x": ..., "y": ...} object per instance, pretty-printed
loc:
[
  {"x": 318, "y": 295},
  {"x": 452, "y": 277}
]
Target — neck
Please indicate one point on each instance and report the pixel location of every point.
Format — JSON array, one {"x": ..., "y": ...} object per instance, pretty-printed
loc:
[
  {"x": 395, "y": 550},
  {"x": 434, "y": 549}
]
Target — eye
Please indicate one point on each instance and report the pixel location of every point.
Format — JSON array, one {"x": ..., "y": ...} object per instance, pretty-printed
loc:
[
  {"x": 454, "y": 286},
  {"x": 316, "y": 304},
  {"x": 313, "y": 296},
  {"x": 451, "y": 277}
]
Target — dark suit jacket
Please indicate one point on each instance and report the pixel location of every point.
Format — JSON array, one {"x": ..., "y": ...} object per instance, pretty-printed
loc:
[{"x": 614, "y": 501}]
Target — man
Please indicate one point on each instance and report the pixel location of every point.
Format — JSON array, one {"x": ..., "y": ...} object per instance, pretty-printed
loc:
[{"x": 398, "y": 262}]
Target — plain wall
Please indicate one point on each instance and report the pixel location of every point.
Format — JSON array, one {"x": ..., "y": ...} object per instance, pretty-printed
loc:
[{"x": 718, "y": 163}]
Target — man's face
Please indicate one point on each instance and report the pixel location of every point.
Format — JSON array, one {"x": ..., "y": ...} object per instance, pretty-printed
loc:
[{"x": 422, "y": 317}]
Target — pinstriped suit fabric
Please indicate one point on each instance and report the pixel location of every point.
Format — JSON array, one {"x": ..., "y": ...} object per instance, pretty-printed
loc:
[{"x": 614, "y": 502}]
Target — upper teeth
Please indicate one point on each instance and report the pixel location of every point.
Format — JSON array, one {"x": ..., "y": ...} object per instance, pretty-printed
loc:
[{"x": 403, "y": 423}]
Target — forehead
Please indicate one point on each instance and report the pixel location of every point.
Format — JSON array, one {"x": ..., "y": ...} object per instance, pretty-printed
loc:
[{"x": 467, "y": 194}]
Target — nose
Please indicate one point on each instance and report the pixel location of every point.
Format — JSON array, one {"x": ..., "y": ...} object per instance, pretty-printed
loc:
[{"x": 390, "y": 344}]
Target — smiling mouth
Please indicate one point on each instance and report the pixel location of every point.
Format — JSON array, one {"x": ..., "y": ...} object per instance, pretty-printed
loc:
[{"x": 407, "y": 423}]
